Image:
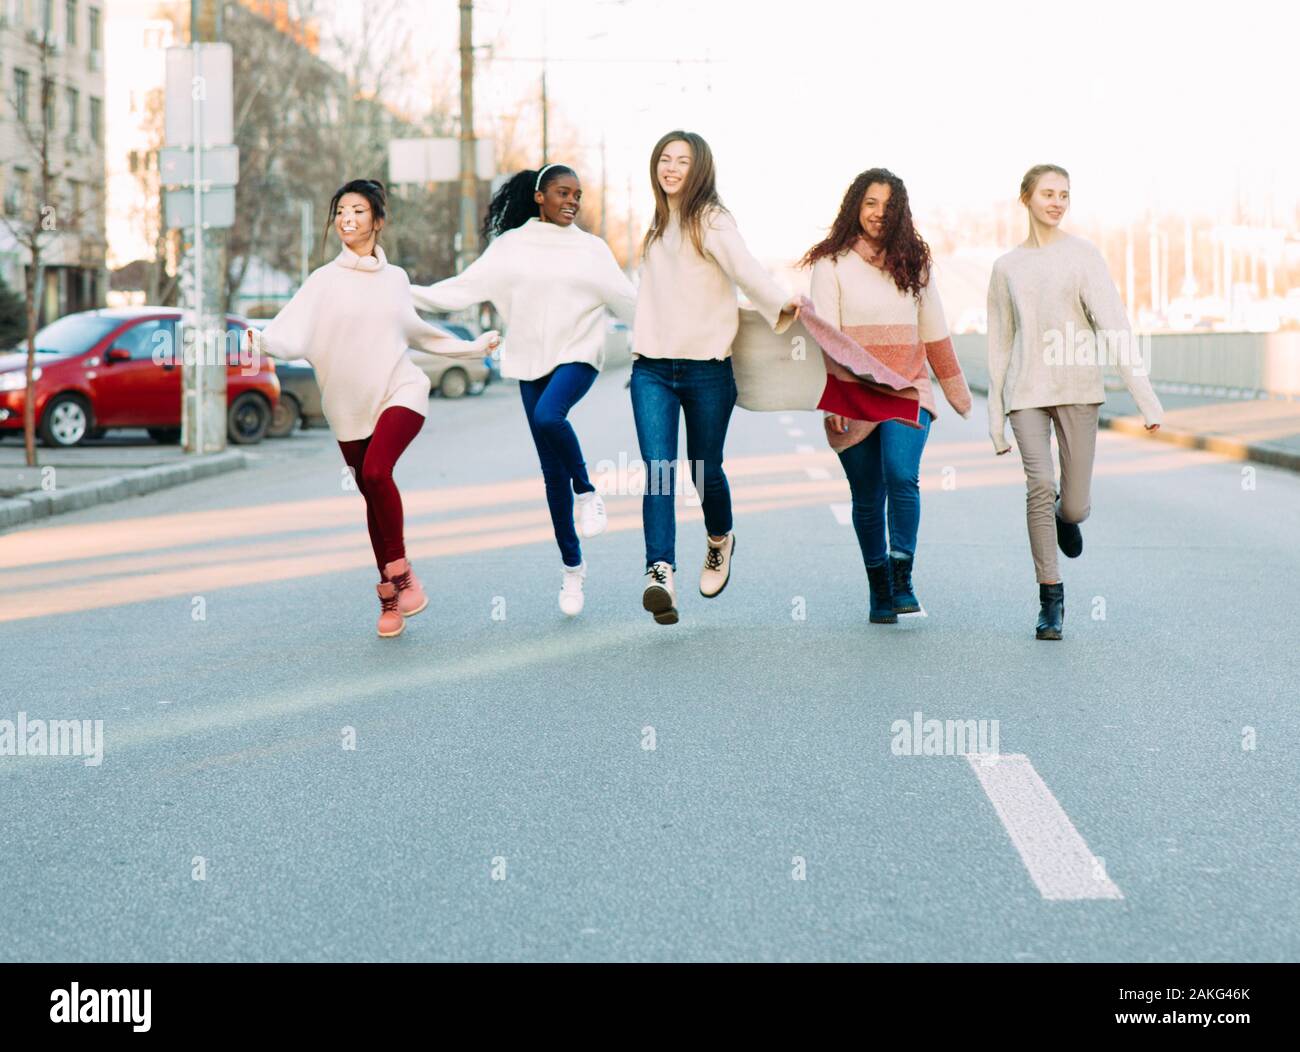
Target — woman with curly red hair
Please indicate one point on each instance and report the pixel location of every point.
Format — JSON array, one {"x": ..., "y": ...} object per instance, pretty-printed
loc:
[{"x": 871, "y": 277}]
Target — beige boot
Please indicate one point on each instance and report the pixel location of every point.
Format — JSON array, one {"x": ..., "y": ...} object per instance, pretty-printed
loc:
[
  {"x": 717, "y": 565},
  {"x": 391, "y": 622}
]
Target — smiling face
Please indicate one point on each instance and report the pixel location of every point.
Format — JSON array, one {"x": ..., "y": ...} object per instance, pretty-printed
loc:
[
  {"x": 871, "y": 216},
  {"x": 560, "y": 200},
  {"x": 355, "y": 223},
  {"x": 673, "y": 166},
  {"x": 1050, "y": 199}
]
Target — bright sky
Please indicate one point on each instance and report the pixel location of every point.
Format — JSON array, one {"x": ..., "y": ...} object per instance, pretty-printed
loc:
[{"x": 1147, "y": 103}]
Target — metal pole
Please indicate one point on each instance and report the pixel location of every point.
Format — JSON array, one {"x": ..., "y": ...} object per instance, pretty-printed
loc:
[
  {"x": 198, "y": 229},
  {"x": 546, "y": 140},
  {"x": 468, "y": 172}
]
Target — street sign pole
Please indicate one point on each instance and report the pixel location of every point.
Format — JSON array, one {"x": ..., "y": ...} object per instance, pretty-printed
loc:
[{"x": 201, "y": 351}]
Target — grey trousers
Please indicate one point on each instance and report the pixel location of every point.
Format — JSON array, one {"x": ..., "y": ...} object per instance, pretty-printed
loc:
[{"x": 1076, "y": 439}]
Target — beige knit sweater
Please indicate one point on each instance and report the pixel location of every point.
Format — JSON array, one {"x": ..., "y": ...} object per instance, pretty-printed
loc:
[
  {"x": 1055, "y": 318},
  {"x": 686, "y": 303},
  {"x": 353, "y": 320}
]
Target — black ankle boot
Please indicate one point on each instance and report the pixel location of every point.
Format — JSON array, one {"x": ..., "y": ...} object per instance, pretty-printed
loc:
[
  {"x": 1051, "y": 615},
  {"x": 1069, "y": 538},
  {"x": 905, "y": 601},
  {"x": 882, "y": 601}
]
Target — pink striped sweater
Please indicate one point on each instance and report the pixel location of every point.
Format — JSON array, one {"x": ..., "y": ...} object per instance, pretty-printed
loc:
[{"x": 906, "y": 333}]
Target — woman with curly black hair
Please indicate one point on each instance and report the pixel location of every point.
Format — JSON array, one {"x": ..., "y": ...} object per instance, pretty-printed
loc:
[{"x": 871, "y": 277}]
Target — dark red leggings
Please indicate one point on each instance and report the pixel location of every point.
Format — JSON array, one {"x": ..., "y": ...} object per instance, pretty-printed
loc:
[{"x": 371, "y": 460}]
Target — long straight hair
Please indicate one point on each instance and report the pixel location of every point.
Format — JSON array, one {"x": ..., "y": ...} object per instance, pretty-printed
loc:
[{"x": 698, "y": 195}]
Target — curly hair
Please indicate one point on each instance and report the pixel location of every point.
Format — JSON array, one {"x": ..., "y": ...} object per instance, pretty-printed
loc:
[{"x": 907, "y": 258}]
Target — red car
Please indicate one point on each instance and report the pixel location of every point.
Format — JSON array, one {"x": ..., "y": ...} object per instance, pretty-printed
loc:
[{"x": 101, "y": 369}]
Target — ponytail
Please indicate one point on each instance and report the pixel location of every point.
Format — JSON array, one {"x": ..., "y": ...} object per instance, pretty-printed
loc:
[{"x": 513, "y": 205}]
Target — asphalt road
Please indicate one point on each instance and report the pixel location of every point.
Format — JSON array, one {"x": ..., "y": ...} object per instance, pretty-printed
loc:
[{"x": 502, "y": 801}]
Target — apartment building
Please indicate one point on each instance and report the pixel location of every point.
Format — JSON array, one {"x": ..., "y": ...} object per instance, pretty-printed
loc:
[{"x": 52, "y": 75}]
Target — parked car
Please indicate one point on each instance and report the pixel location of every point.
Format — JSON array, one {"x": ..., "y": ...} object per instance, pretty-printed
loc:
[
  {"x": 299, "y": 403},
  {"x": 111, "y": 368},
  {"x": 451, "y": 377}
]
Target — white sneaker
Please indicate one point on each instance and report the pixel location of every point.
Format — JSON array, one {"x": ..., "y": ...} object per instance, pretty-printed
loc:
[
  {"x": 571, "y": 598},
  {"x": 590, "y": 511},
  {"x": 660, "y": 595}
]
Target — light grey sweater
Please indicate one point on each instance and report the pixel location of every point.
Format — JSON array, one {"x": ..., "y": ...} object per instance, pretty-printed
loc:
[{"x": 1055, "y": 319}]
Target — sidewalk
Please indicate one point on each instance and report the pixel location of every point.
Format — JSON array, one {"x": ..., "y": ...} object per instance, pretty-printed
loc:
[
  {"x": 101, "y": 472},
  {"x": 1237, "y": 424}
]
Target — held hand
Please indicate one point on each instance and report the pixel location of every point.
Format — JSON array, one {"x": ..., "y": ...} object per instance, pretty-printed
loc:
[
  {"x": 1153, "y": 427},
  {"x": 491, "y": 340},
  {"x": 836, "y": 425}
]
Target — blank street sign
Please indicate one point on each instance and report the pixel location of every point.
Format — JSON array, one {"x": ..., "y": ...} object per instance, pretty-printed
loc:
[
  {"x": 220, "y": 165},
  {"x": 218, "y": 208},
  {"x": 214, "y": 81}
]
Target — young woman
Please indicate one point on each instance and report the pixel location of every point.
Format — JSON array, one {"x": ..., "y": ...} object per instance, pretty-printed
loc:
[
  {"x": 551, "y": 282},
  {"x": 687, "y": 315},
  {"x": 1043, "y": 294},
  {"x": 871, "y": 277},
  {"x": 353, "y": 320}
]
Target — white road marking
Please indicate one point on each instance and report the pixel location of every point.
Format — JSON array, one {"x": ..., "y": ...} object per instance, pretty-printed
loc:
[
  {"x": 1058, "y": 860},
  {"x": 843, "y": 513},
  {"x": 794, "y": 432},
  {"x": 820, "y": 474},
  {"x": 801, "y": 448}
]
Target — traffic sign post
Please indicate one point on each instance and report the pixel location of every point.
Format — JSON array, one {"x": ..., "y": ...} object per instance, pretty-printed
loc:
[{"x": 199, "y": 167}]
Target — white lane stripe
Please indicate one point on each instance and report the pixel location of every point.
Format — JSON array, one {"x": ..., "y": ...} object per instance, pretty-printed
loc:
[
  {"x": 1056, "y": 856},
  {"x": 818, "y": 474},
  {"x": 843, "y": 513}
]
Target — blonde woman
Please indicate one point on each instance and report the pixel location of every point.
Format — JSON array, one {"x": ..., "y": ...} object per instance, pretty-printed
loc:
[
  {"x": 687, "y": 316},
  {"x": 1055, "y": 317}
]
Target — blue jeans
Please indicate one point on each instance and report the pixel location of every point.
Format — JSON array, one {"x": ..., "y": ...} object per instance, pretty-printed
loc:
[
  {"x": 884, "y": 472},
  {"x": 704, "y": 393},
  {"x": 547, "y": 402}
]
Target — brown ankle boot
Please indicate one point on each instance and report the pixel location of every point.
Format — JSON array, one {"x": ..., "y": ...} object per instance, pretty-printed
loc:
[
  {"x": 411, "y": 598},
  {"x": 390, "y": 618}
]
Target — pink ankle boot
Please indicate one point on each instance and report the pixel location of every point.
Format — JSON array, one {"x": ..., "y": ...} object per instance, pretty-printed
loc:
[
  {"x": 411, "y": 598},
  {"x": 391, "y": 622}
]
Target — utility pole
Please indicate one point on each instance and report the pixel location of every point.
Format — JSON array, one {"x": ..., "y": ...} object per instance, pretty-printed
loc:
[
  {"x": 468, "y": 248},
  {"x": 603, "y": 180},
  {"x": 546, "y": 109}
]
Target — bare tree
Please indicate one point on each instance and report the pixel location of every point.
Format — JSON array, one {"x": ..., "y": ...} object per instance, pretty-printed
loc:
[{"x": 43, "y": 214}]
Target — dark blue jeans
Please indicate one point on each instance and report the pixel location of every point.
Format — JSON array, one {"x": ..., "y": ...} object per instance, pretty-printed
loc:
[
  {"x": 884, "y": 472},
  {"x": 547, "y": 402},
  {"x": 664, "y": 390}
]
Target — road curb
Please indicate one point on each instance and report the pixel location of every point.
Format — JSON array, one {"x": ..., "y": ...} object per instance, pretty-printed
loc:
[
  {"x": 27, "y": 507},
  {"x": 1224, "y": 445}
]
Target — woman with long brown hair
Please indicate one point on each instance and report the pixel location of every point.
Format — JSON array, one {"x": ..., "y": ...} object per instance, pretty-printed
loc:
[
  {"x": 871, "y": 278},
  {"x": 687, "y": 316}
]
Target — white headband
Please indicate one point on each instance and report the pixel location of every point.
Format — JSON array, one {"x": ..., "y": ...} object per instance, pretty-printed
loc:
[{"x": 538, "y": 185}]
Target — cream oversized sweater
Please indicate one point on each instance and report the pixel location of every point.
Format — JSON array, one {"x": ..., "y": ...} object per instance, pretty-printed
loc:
[
  {"x": 1055, "y": 318},
  {"x": 551, "y": 284},
  {"x": 353, "y": 320},
  {"x": 686, "y": 303}
]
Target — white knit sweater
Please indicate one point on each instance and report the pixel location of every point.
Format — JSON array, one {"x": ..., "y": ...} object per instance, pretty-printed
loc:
[
  {"x": 353, "y": 320},
  {"x": 551, "y": 285},
  {"x": 687, "y": 306},
  {"x": 1048, "y": 307}
]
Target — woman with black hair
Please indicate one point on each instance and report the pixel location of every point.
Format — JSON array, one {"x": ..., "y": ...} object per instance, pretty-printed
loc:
[
  {"x": 871, "y": 278},
  {"x": 353, "y": 320},
  {"x": 551, "y": 282}
]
